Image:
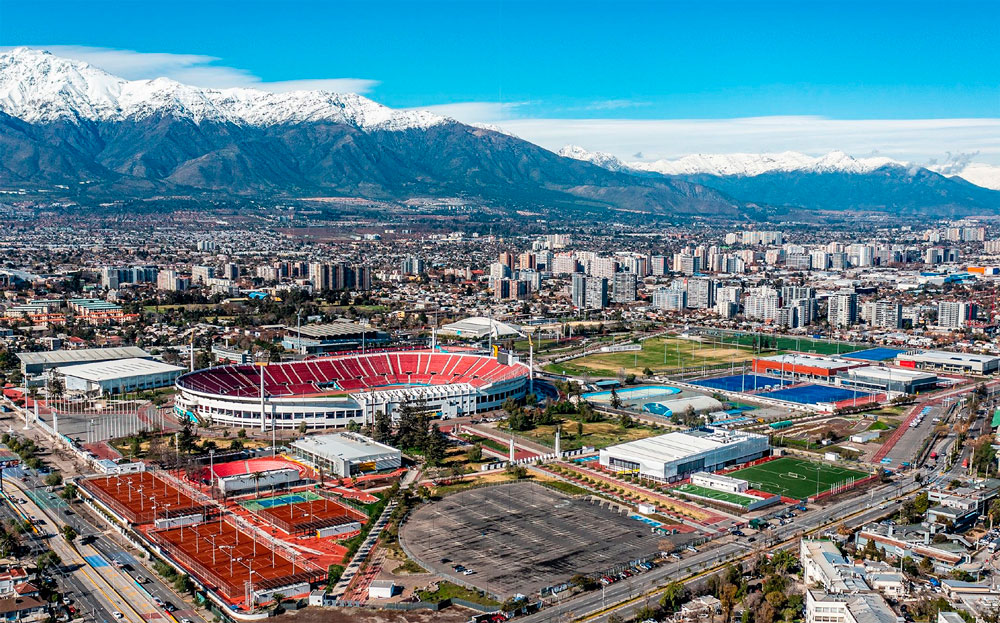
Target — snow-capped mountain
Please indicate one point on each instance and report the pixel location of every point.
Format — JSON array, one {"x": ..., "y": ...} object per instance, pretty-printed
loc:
[
  {"x": 834, "y": 181},
  {"x": 63, "y": 122},
  {"x": 745, "y": 165},
  {"x": 37, "y": 87},
  {"x": 600, "y": 158}
]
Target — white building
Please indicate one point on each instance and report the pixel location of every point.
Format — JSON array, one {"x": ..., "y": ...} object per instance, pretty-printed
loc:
[
  {"x": 719, "y": 482},
  {"x": 346, "y": 454},
  {"x": 822, "y": 607},
  {"x": 950, "y": 362},
  {"x": 675, "y": 455},
  {"x": 120, "y": 376}
]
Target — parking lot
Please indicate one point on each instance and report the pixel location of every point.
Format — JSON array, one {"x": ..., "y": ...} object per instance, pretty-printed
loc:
[{"x": 522, "y": 537}]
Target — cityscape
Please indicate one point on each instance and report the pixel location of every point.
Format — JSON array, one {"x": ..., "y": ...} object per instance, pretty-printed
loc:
[{"x": 271, "y": 348}]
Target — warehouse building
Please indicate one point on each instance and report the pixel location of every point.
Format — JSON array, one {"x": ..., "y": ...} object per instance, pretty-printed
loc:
[
  {"x": 676, "y": 455},
  {"x": 885, "y": 379},
  {"x": 802, "y": 366},
  {"x": 35, "y": 365},
  {"x": 346, "y": 454},
  {"x": 332, "y": 337},
  {"x": 119, "y": 376},
  {"x": 950, "y": 362}
]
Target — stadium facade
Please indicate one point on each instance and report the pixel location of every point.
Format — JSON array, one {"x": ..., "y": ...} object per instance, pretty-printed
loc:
[
  {"x": 330, "y": 393},
  {"x": 677, "y": 455}
]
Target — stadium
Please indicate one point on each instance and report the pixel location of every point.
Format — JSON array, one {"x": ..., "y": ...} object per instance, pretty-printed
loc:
[{"x": 333, "y": 392}]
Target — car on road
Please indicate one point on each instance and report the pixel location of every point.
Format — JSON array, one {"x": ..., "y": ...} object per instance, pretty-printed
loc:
[
  {"x": 468, "y": 572},
  {"x": 140, "y": 580},
  {"x": 118, "y": 615}
]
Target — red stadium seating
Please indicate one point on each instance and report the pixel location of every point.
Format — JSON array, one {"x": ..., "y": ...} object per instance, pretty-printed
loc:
[{"x": 351, "y": 373}]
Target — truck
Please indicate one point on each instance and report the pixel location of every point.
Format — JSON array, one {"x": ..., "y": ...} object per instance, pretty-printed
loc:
[{"x": 965, "y": 463}]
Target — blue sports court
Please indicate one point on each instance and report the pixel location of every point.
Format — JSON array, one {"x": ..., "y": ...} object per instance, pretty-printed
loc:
[
  {"x": 741, "y": 382},
  {"x": 812, "y": 394},
  {"x": 875, "y": 354}
]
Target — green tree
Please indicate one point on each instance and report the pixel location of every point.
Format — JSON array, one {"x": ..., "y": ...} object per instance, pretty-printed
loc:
[
  {"x": 69, "y": 533},
  {"x": 54, "y": 479},
  {"x": 673, "y": 596},
  {"x": 475, "y": 454}
]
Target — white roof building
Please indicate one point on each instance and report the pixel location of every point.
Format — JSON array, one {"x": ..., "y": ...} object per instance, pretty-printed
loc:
[
  {"x": 347, "y": 454},
  {"x": 477, "y": 327},
  {"x": 675, "y": 455},
  {"x": 119, "y": 376}
]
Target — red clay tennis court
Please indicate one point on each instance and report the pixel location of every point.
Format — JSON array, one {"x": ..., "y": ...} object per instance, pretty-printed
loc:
[
  {"x": 142, "y": 497},
  {"x": 309, "y": 516},
  {"x": 227, "y": 558}
]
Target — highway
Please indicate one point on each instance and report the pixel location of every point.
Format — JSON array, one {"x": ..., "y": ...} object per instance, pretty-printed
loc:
[{"x": 91, "y": 579}]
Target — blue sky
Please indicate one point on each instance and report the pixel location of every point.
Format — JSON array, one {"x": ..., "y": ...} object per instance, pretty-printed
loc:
[{"x": 518, "y": 62}]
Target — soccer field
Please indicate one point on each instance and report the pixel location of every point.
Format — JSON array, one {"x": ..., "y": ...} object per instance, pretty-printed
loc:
[
  {"x": 796, "y": 478},
  {"x": 669, "y": 354},
  {"x": 713, "y": 494}
]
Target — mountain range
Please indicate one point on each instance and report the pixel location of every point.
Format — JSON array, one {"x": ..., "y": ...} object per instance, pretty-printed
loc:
[{"x": 67, "y": 123}]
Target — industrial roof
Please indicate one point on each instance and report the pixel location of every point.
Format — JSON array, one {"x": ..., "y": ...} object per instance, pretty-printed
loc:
[
  {"x": 679, "y": 445},
  {"x": 799, "y": 359},
  {"x": 118, "y": 369},
  {"x": 889, "y": 374},
  {"x": 330, "y": 329},
  {"x": 56, "y": 357},
  {"x": 349, "y": 446},
  {"x": 944, "y": 356}
]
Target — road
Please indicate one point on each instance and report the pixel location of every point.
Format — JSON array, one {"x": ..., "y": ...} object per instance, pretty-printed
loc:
[
  {"x": 91, "y": 578},
  {"x": 631, "y": 592}
]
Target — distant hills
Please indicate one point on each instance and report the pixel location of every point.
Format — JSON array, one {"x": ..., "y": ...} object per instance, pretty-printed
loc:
[{"x": 64, "y": 122}]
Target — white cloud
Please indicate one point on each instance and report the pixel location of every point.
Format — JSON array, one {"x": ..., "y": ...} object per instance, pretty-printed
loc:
[
  {"x": 195, "y": 69},
  {"x": 912, "y": 140}
]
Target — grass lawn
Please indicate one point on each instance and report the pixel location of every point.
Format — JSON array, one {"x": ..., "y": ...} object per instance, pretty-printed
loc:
[
  {"x": 795, "y": 478},
  {"x": 805, "y": 345},
  {"x": 713, "y": 494},
  {"x": 566, "y": 487},
  {"x": 660, "y": 354},
  {"x": 596, "y": 434},
  {"x": 447, "y": 590}
]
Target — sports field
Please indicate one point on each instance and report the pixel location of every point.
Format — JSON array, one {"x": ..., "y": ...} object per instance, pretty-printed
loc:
[
  {"x": 796, "y": 478},
  {"x": 713, "y": 494},
  {"x": 660, "y": 354},
  {"x": 280, "y": 500},
  {"x": 813, "y": 394}
]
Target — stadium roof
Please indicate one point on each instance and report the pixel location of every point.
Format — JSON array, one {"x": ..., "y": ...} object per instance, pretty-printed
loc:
[
  {"x": 480, "y": 326},
  {"x": 348, "y": 446},
  {"x": 119, "y": 369},
  {"x": 57, "y": 357}
]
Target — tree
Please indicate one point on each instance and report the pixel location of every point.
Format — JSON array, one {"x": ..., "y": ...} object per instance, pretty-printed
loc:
[
  {"x": 183, "y": 583},
  {"x": 48, "y": 560},
  {"x": 435, "y": 447},
  {"x": 69, "y": 533},
  {"x": 616, "y": 401},
  {"x": 673, "y": 596},
  {"x": 475, "y": 454},
  {"x": 382, "y": 428},
  {"x": 53, "y": 480},
  {"x": 69, "y": 492},
  {"x": 56, "y": 385}
]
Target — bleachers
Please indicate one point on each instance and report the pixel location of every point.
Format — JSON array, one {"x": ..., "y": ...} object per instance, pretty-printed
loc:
[{"x": 351, "y": 373}]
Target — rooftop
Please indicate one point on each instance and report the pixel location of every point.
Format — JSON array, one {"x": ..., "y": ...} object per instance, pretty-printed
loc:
[
  {"x": 890, "y": 374},
  {"x": 678, "y": 445},
  {"x": 349, "y": 446},
  {"x": 56, "y": 357},
  {"x": 330, "y": 330},
  {"x": 800, "y": 359},
  {"x": 119, "y": 368},
  {"x": 946, "y": 356}
]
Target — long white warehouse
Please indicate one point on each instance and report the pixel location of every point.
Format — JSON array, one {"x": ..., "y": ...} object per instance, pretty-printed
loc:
[{"x": 676, "y": 455}]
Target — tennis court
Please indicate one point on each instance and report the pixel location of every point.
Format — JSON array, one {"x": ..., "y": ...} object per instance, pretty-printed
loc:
[
  {"x": 810, "y": 394},
  {"x": 279, "y": 500},
  {"x": 797, "y": 478},
  {"x": 736, "y": 499},
  {"x": 741, "y": 382}
]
